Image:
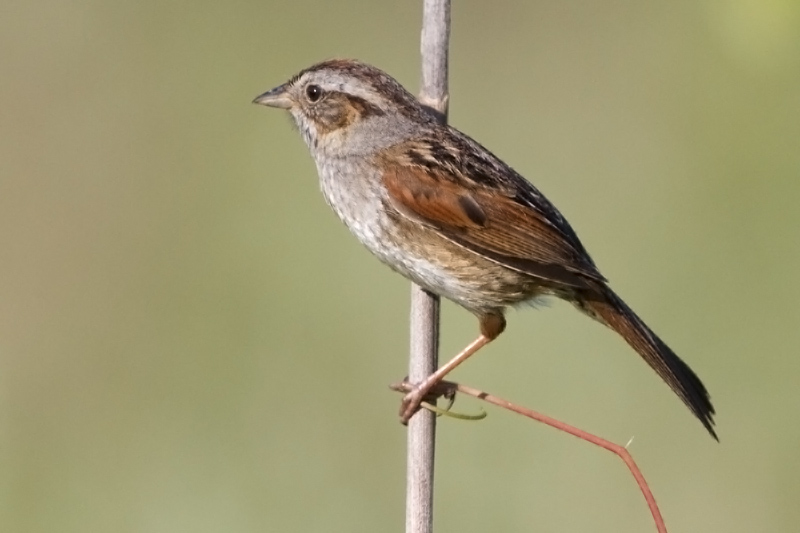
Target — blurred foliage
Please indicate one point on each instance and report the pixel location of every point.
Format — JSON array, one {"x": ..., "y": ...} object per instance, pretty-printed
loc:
[{"x": 189, "y": 340}]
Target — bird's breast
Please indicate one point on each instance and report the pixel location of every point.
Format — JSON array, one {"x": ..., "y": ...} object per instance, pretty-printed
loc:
[{"x": 352, "y": 190}]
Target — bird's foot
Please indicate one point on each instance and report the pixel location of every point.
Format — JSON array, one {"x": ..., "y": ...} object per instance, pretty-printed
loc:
[
  {"x": 410, "y": 404},
  {"x": 417, "y": 394}
]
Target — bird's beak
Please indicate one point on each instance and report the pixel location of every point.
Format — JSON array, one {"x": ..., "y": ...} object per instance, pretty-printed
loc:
[{"x": 277, "y": 97}]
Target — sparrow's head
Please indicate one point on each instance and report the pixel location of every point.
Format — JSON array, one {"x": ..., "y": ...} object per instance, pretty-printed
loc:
[{"x": 345, "y": 107}]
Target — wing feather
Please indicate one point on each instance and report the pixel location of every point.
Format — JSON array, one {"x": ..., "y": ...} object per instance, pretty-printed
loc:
[{"x": 489, "y": 223}]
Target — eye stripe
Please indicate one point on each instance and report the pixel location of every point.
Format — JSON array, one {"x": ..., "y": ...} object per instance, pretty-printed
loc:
[{"x": 364, "y": 108}]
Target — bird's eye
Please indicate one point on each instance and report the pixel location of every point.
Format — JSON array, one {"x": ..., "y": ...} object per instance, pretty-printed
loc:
[{"x": 313, "y": 92}]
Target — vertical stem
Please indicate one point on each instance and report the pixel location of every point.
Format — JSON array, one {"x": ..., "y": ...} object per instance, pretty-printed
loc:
[
  {"x": 421, "y": 437},
  {"x": 424, "y": 348},
  {"x": 434, "y": 47}
]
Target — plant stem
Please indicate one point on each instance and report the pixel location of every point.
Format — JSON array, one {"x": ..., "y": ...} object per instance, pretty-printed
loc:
[{"x": 424, "y": 323}]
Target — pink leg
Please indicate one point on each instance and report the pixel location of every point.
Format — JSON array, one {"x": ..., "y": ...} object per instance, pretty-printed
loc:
[{"x": 411, "y": 401}]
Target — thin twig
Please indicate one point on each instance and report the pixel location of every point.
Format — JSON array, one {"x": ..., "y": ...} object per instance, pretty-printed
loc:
[
  {"x": 448, "y": 387},
  {"x": 423, "y": 358}
]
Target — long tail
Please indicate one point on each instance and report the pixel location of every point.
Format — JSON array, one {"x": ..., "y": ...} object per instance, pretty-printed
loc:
[{"x": 605, "y": 306}]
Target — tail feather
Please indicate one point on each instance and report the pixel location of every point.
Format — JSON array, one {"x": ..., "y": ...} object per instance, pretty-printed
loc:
[{"x": 609, "y": 309}]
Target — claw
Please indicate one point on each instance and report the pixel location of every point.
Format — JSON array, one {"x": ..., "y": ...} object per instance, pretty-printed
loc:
[{"x": 410, "y": 405}]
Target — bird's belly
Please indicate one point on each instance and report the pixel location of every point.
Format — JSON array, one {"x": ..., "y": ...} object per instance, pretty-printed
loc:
[{"x": 451, "y": 271}]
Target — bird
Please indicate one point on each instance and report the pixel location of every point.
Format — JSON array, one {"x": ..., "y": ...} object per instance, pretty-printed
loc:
[{"x": 445, "y": 212}]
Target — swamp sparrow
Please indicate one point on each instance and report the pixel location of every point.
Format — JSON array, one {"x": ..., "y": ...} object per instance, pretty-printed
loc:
[{"x": 443, "y": 211}]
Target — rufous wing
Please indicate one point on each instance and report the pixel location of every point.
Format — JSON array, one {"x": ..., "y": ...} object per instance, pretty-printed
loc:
[{"x": 489, "y": 223}]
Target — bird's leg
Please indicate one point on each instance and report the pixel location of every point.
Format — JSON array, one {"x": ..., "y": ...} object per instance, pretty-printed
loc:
[
  {"x": 411, "y": 401},
  {"x": 491, "y": 326}
]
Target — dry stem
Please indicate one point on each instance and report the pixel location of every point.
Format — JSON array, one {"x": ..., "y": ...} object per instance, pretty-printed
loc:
[{"x": 446, "y": 388}]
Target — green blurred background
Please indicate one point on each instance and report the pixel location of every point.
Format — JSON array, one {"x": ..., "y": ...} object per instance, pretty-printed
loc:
[{"x": 190, "y": 340}]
